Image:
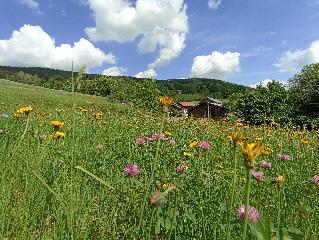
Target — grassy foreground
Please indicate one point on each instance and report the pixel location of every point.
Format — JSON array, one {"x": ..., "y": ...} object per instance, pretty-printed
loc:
[{"x": 75, "y": 187}]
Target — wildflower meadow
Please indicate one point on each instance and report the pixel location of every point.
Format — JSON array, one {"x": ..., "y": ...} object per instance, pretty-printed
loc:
[{"x": 76, "y": 166}]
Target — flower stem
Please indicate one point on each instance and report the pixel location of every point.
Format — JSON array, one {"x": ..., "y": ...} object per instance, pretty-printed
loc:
[
  {"x": 150, "y": 228},
  {"x": 174, "y": 217},
  {"x": 154, "y": 165},
  {"x": 21, "y": 138},
  {"x": 232, "y": 193},
  {"x": 71, "y": 210},
  {"x": 279, "y": 207},
  {"x": 248, "y": 177}
]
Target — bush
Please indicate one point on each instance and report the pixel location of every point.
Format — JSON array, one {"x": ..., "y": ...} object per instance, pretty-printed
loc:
[{"x": 263, "y": 105}]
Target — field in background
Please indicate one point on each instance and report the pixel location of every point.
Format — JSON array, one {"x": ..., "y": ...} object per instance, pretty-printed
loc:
[{"x": 75, "y": 187}]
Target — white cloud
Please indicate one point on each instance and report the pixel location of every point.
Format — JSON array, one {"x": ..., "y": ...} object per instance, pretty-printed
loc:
[
  {"x": 265, "y": 82},
  {"x": 214, "y": 4},
  {"x": 150, "y": 73},
  {"x": 31, "y": 46},
  {"x": 262, "y": 83},
  {"x": 161, "y": 24},
  {"x": 114, "y": 71},
  {"x": 215, "y": 65},
  {"x": 31, "y": 4},
  {"x": 293, "y": 61}
]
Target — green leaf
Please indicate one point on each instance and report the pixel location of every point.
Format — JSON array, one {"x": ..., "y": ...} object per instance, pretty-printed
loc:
[
  {"x": 261, "y": 230},
  {"x": 289, "y": 234},
  {"x": 295, "y": 234},
  {"x": 94, "y": 176},
  {"x": 168, "y": 224},
  {"x": 157, "y": 227}
]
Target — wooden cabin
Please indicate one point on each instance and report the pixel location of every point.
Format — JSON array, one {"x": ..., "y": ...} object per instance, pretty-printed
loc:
[{"x": 207, "y": 108}]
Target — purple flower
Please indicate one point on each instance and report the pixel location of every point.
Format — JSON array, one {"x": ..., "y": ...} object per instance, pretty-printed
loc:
[
  {"x": 181, "y": 168},
  {"x": 171, "y": 142},
  {"x": 253, "y": 214},
  {"x": 315, "y": 180},
  {"x": 100, "y": 146},
  {"x": 258, "y": 175},
  {"x": 157, "y": 136},
  {"x": 149, "y": 138},
  {"x": 284, "y": 156},
  {"x": 264, "y": 164},
  {"x": 204, "y": 145},
  {"x": 140, "y": 141},
  {"x": 131, "y": 170}
]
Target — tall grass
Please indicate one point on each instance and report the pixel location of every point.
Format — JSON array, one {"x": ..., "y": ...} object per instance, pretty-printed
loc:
[{"x": 49, "y": 191}]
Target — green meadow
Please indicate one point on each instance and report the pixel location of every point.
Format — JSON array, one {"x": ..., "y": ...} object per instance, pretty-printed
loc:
[{"x": 75, "y": 187}]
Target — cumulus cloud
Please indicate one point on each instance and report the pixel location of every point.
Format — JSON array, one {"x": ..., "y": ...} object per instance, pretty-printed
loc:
[
  {"x": 31, "y": 46},
  {"x": 293, "y": 61},
  {"x": 114, "y": 71},
  {"x": 161, "y": 24},
  {"x": 150, "y": 73},
  {"x": 214, "y": 4},
  {"x": 31, "y": 4},
  {"x": 215, "y": 65},
  {"x": 265, "y": 82}
]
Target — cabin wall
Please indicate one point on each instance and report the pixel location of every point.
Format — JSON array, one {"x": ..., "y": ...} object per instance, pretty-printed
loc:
[{"x": 201, "y": 111}]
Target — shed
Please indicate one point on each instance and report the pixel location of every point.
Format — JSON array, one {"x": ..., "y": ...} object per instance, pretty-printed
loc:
[
  {"x": 182, "y": 107},
  {"x": 177, "y": 108},
  {"x": 207, "y": 108}
]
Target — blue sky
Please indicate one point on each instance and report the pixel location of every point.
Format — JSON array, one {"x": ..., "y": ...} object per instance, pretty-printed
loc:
[{"x": 240, "y": 41}]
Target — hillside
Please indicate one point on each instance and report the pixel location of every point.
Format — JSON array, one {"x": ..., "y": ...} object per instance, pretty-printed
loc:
[
  {"x": 182, "y": 89},
  {"x": 202, "y": 87}
]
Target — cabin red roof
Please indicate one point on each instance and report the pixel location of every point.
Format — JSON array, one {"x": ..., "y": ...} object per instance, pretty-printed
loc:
[{"x": 187, "y": 104}]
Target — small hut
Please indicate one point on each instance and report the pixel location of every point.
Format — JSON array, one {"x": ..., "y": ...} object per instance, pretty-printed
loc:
[
  {"x": 207, "y": 108},
  {"x": 182, "y": 107},
  {"x": 178, "y": 109}
]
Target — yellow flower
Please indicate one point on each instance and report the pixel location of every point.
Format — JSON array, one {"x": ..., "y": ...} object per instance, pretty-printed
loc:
[
  {"x": 187, "y": 154},
  {"x": 305, "y": 142},
  {"x": 258, "y": 139},
  {"x": 98, "y": 116},
  {"x": 83, "y": 109},
  {"x": 280, "y": 180},
  {"x": 239, "y": 124},
  {"x": 57, "y": 124},
  {"x": 25, "y": 110},
  {"x": 168, "y": 134},
  {"x": 168, "y": 185},
  {"x": 250, "y": 151},
  {"x": 57, "y": 135},
  {"x": 194, "y": 144},
  {"x": 266, "y": 149},
  {"x": 17, "y": 115},
  {"x": 219, "y": 168},
  {"x": 165, "y": 101},
  {"x": 235, "y": 137}
]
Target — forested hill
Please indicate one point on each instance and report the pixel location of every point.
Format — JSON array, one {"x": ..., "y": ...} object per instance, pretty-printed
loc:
[
  {"x": 203, "y": 86},
  {"x": 184, "y": 89},
  {"x": 37, "y": 71}
]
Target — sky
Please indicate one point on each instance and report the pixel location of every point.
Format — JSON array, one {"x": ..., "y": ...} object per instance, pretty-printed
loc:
[{"x": 241, "y": 41}]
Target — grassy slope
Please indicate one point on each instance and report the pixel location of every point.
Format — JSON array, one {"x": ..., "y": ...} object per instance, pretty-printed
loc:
[
  {"x": 17, "y": 93},
  {"x": 44, "y": 196}
]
